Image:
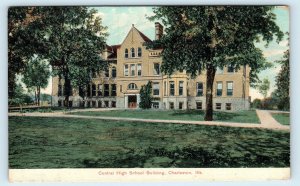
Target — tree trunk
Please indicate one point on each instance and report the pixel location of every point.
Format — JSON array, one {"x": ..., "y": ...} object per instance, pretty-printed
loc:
[
  {"x": 38, "y": 94},
  {"x": 35, "y": 98},
  {"x": 67, "y": 90},
  {"x": 210, "y": 76}
]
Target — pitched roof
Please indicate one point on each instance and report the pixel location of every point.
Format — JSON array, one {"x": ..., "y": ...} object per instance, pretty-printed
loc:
[
  {"x": 113, "y": 50},
  {"x": 145, "y": 38}
]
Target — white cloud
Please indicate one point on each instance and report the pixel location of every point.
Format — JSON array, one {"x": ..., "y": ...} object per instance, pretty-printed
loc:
[{"x": 273, "y": 52}]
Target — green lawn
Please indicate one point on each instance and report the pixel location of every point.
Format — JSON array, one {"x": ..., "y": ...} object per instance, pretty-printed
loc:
[
  {"x": 282, "y": 118},
  {"x": 80, "y": 143},
  {"x": 195, "y": 115}
]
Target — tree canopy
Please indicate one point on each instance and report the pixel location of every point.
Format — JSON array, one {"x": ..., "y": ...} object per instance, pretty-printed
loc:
[
  {"x": 71, "y": 39},
  {"x": 201, "y": 38}
]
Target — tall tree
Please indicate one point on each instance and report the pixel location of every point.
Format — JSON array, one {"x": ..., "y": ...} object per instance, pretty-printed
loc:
[
  {"x": 283, "y": 83},
  {"x": 16, "y": 63},
  {"x": 146, "y": 96},
  {"x": 72, "y": 38},
  {"x": 36, "y": 76},
  {"x": 202, "y": 38},
  {"x": 264, "y": 87}
]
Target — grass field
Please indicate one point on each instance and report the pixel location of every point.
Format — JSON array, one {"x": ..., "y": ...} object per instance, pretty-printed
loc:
[
  {"x": 80, "y": 143},
  {"x": 282, "y": 118},
  {"x": 195, "y": 115}
]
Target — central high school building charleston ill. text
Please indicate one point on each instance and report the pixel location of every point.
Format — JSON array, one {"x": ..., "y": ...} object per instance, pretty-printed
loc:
[{"x": 132, "y": 65}]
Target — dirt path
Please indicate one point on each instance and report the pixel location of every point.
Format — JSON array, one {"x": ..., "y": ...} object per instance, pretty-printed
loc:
[{"x": 267, "y": 121}]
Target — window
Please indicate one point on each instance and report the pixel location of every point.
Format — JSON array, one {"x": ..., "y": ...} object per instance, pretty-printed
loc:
[
  {"x": 180, "y": 88},
  {"x": 229, "y": 88},
  {"x": 125, "y": 70},
  {"x": 171, "y": 105},
  {"x": 94, "y": 91},
  {"x": 199, "y": 89},
  {"x": 113, "y": 90},
  {"x": 106, "y": 104},
  {"x": 60, "y": 90},
  {"x": 219, "y": 88},
  {"x": 172, "y": 88},
  {"x": 228, "y": 106},
  {"x": 230, "y": 69},
  {"x": 106, "y": 89},
  {"x": 113, "y": 72},
  {"x": 107, "y": 72},
  {"x": 93, "y": 103},
  {"x": 218, "y": 106},
  {"x": 139, "y": 52},
  {"x": 132, "y": 69},
  {"x": 155, "y": 89},
  {"x": 113, "y": 104},
  {"x": 59, "y": 103},
  {"x": 139, "y": 69},
  {"x": 132, "y": 86},
  {"x": 156, "y": 69},
  {"x": 126, "y": 53},
  {"x": 88, "y": 91},
  {"x": 180, "y": 105},
  {"x": 199, "y": 105},
  {"x": 100, "y": 90},
  {"x": 155, "y": 105},
  {"x": 165, "y": 88},
  {"x": 132, "y": 52}
]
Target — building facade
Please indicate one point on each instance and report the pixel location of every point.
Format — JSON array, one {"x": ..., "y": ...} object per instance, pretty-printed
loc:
[{"x": 133, "y": 65}]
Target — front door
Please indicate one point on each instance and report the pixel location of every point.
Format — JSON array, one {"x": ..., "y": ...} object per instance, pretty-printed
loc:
[{"x": 132, "y": 101}]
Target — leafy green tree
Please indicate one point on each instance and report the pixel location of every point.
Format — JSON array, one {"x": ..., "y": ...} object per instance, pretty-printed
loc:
[
  {"x": 36, "y": 76},
  {"x": 72, "y": 39},
  {"x": 283, "y": 83},
  {"x": 201, "y": 38},
  {"x": 16, "y": 62},
  {"x": 146, "y": 96},
  {"x": 264, "y": 87}
]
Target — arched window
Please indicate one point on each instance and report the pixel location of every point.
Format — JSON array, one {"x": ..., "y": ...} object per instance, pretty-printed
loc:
[
  {"x": 132, "y": 52},
  {"x": 139, "y": 52},
  {"x": 126, "y": 53},
  {"x": 132, "y": 86}
]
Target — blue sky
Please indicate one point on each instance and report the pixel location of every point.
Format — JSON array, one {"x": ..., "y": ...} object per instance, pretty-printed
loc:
[{"x": 120, "y": 19}]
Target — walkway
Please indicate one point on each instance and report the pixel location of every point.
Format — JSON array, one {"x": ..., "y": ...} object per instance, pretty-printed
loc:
[{"x": 267, "y": 121}]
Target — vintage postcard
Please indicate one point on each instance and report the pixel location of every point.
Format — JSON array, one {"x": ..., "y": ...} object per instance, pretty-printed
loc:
[{"x": 148, "y": 93}]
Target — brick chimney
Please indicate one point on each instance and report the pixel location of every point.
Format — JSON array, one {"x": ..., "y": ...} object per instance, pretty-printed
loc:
[{"x": 159, "y": 29}]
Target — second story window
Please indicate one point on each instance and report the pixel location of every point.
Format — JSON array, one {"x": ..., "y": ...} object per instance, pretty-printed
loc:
[
  {"x": 132, "y": 52},
  {"x": 125, "y": 70},
  {"x": 199, "y": 89},
  {"x": 132, "y": 70},
  {"x": 155, "y": 89},
  {"x": 139, "y": 69},
  {"x": 132, "y": 86},
  {"x": 180, "y": 88},
  {"x": 230, "y": 69},
  {"x": 139, "y": 52},
  {"x": 126, "y": 53},
  {"x": 106, "y": 89},
  {"x": 219, "y": 88},
  {"x": 156, "y": 69},
  {"x": 229, "y": 88},
  {"x": 172, "y": 88},
  {"x": 113, "y": 72},
  {"x": 113, "y": 90},
  {"x": 94, "y": 91}
]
